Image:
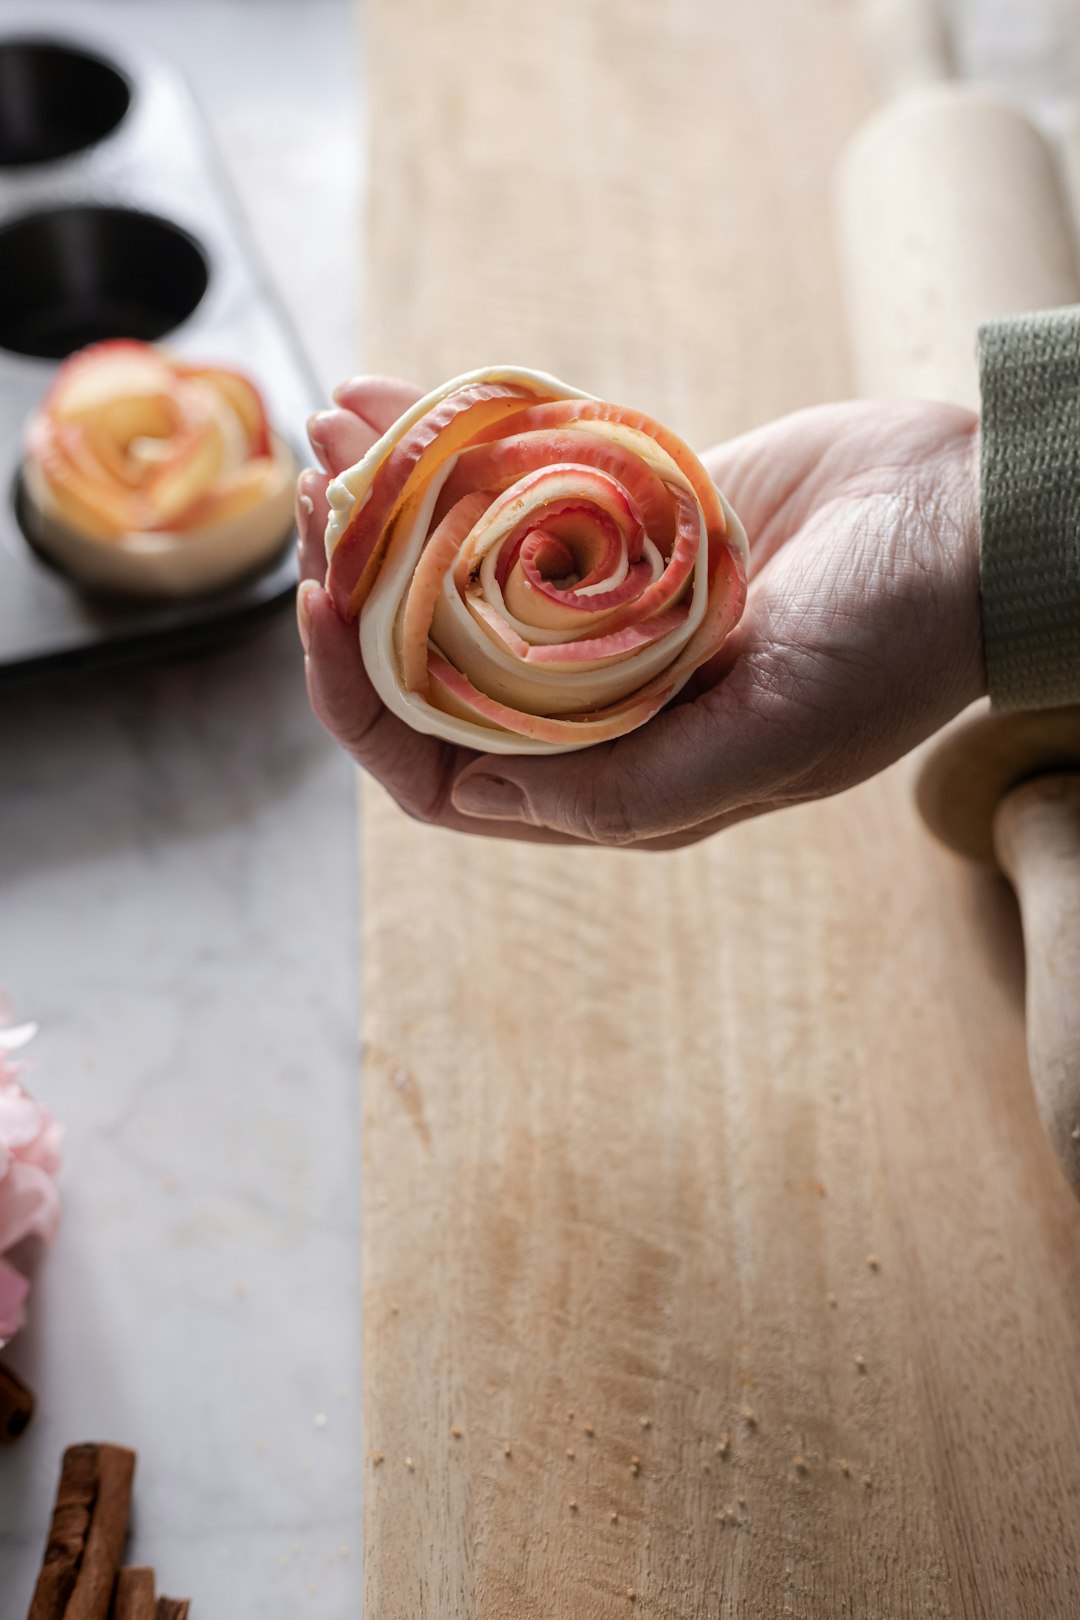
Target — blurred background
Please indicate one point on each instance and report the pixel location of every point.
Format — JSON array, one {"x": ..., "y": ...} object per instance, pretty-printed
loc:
[{"x": 178, "y": 895}]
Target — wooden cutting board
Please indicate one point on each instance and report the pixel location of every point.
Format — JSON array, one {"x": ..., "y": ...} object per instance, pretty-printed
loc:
[{"x": 704, "y": 1193}]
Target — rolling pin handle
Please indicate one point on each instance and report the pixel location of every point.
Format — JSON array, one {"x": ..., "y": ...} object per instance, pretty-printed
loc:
[{"x": 1037, "y": 839}]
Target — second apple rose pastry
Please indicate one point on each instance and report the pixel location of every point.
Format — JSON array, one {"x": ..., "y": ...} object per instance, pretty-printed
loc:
[
  {"x": 150, "y": 475},
  {"x": 533, "y": 570}
]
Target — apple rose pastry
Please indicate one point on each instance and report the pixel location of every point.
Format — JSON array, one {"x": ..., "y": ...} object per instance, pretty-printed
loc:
[
  {"x": 152, "y": 476},
  {"x": 533, "y": 570}
]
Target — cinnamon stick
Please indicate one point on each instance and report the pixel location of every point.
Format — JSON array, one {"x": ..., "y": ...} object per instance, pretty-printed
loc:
[
  {"x": 105, "y": 1544},
  {"x": 70, "y": 1527},
  {"x": 16, "y": 1405},
  {"x": 135, "y": 1594},
  {"x": 86, "y": 1537},
  {"x": 172, "y": 1608}
]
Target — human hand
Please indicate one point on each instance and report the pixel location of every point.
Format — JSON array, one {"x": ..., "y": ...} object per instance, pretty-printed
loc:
[{"x": 862, "y": 636}]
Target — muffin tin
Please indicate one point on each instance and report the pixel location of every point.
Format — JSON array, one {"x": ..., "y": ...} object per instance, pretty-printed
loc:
[{"x": 116, "y": 221}]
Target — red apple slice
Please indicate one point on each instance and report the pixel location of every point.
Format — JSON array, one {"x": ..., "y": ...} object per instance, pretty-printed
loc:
[
  {"x": 240, "y": 393},
  {"x": 435, "y": 437},
  {"x": 457, "y": 695},
  {"x": 497, "y": 465},
  {"x": 92, "y": 375}
]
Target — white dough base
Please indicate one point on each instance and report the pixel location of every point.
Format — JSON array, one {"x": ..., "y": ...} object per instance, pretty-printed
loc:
[{"x": 164, "y": 564}]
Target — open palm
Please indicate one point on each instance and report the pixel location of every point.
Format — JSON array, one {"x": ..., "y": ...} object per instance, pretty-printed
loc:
[{"x": 861, "y": 637}]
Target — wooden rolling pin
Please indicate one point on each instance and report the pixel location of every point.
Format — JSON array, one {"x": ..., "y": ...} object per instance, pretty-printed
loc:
[
  {"x": 949, "y": 213},
  {"x": 1007, "y": 787}
]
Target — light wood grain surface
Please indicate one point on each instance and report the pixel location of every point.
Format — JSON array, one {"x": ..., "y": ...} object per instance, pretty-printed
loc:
[{"x": 636, "y": 1125}]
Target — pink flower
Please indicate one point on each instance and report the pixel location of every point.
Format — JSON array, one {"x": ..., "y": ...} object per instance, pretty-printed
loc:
[{"x": 29, "y": 1159}]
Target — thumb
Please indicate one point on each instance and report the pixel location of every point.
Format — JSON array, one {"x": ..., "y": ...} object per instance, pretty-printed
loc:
[
  {"x": 688, "y": 765},
  {"x": 575, "y": 794}
]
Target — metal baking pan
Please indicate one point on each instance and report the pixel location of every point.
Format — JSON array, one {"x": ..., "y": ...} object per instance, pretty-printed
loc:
[{"x": 116, "y": 220}]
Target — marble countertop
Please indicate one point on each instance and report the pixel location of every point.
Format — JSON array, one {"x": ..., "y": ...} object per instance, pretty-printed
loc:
[{"x": 178, "y": 893}]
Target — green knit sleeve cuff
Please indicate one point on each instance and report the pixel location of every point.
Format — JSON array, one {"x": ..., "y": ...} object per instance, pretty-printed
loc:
[{"x": 1029, "y": 369}]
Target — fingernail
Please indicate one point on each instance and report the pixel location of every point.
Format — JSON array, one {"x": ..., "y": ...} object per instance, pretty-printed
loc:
[
  {"x": 305, "y": 592},
  {"x": 490, "y": 796},
  {"x": 305, "y": 503},
  {"x": 316, "y": 423}
]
